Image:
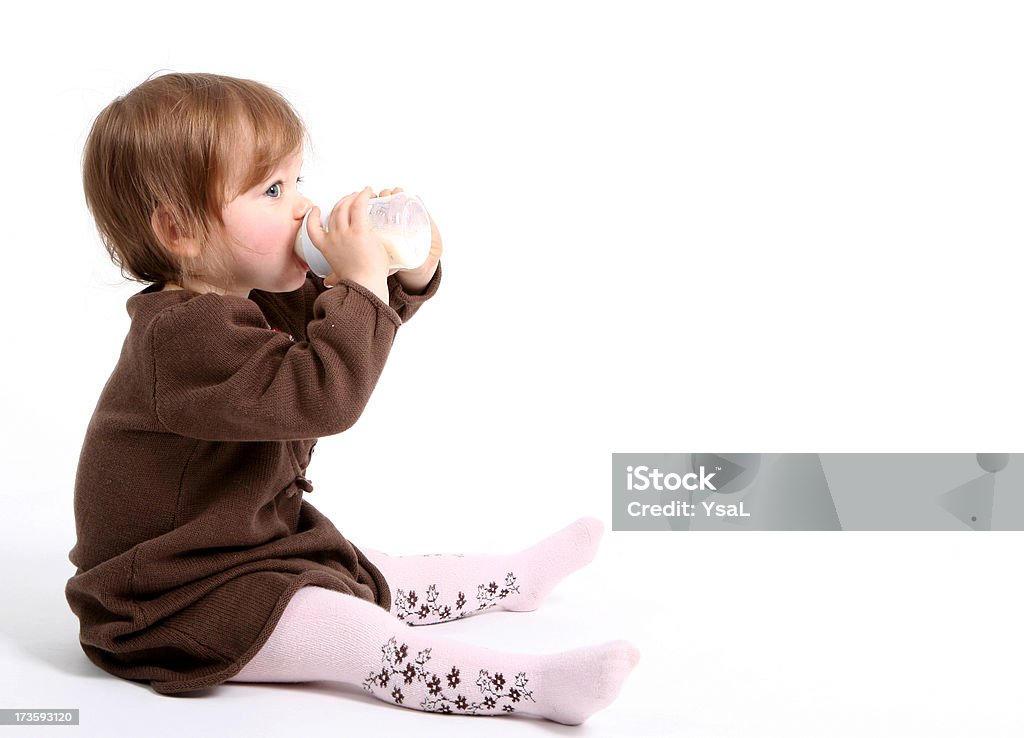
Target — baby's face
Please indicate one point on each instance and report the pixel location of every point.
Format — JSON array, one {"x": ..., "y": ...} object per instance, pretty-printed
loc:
[{"x": 261, "y": 225}]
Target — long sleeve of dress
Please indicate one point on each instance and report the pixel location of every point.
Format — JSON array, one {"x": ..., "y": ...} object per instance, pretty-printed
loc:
[
  {"x": 220, "y": 373},
  {"x": 405, "y": 304},
  {"x": 294, "y": 310}
]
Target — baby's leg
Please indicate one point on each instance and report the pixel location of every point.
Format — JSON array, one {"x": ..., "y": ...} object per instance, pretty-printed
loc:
[
  {"x": 327, "y": 635},
  {"x": 440, "y": 587}
]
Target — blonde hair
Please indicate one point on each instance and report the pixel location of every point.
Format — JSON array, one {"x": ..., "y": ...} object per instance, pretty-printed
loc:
[{"x": 174, "y": 141}]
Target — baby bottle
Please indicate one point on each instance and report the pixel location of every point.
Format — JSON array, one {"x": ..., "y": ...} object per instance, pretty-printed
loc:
[{"x": 400, "y": 220}]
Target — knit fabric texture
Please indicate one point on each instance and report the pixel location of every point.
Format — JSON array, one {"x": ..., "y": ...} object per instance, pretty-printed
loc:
[{"x": 192, "y": 528}]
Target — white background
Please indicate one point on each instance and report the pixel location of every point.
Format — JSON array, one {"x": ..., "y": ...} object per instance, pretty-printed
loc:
[{"x": 674, "y": 227}]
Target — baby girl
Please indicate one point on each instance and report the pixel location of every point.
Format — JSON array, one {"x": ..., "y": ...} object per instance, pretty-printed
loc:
[{"x": 199, "y": 559}]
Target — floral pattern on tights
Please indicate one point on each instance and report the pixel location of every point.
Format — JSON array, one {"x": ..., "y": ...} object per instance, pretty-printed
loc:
[
  {"x": 409, "y": 607},
  {"x": 411, "y": 677}
]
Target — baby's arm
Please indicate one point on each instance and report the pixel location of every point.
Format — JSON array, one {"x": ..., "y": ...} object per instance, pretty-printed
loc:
[
  {"x": 404, "y": 303},
  {"x": 292, "y": 311},
  {"x": 221, "y": 373}
]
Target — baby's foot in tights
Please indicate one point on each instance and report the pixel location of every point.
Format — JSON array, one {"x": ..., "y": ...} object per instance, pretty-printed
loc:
[
  {"x": 547, "y": 563},
  {"x": 429, "y": 589},
  {"x": 573, "y": 685}
]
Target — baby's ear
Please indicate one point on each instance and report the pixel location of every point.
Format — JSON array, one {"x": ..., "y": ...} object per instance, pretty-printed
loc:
[{"x": 171, "y": 235}]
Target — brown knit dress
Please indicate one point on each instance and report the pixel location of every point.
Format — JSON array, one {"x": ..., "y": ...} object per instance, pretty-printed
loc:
[{"x": 193, "y": 533}]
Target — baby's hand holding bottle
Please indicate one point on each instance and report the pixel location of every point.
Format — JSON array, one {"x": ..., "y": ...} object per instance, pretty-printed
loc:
[{"x": 352, "y": 248}]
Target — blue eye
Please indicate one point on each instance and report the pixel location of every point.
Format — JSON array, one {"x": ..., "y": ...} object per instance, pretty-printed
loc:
[{"x": 274, "y": 190}]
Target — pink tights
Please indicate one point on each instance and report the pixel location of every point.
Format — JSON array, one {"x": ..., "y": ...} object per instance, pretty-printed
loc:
[{"x": 327, "y": 635}]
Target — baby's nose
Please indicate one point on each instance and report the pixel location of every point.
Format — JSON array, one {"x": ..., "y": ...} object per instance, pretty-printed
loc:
[{"x": 302, "y": 205}]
